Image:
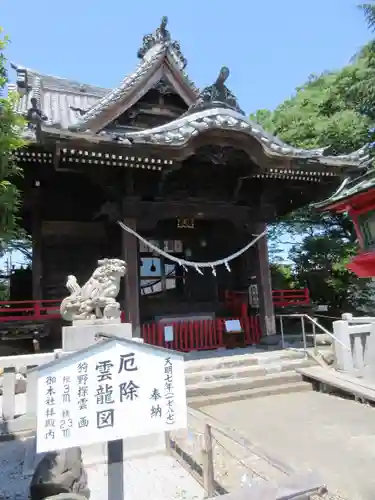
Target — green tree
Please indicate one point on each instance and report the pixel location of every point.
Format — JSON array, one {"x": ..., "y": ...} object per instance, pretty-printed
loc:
[
  {"x": 327, "y": 111},
  {"x": 335, "y": 110},
  {"x": 320, "y": 263},
  {"x": 368, "y": 10},
  {"x": 10, "y": 140},
  {"x": 282, "y": 277}
]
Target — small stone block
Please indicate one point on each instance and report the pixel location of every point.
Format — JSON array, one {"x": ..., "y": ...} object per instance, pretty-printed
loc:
[{"x": 80, "y": 336}]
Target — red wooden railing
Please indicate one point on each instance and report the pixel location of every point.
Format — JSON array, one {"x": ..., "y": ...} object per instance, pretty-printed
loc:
[
  {"x": 39, "y": 310},
  {"x": 292, "y": 297},
  {"x": 29, "y": 310},
  {"x": 238, "y": 301},
  {"x": 199, "y": 335}
]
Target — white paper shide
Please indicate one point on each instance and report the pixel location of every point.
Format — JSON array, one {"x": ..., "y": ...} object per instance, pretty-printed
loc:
[{"x": 113, "y": 390}]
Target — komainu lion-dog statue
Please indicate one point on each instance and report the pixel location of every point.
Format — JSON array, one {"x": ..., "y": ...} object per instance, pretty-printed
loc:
[{"x": 96, "y": 298}]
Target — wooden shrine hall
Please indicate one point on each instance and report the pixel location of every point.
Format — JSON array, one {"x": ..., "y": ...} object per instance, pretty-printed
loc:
[{"x": 185, "y": 168}]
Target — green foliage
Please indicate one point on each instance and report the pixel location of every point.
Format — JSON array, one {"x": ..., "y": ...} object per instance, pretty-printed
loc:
[
  {"x": 282, "y": 277},
  {"x": 335, "y": 110},
  {"x": 330, "y": 110},
  {"x": 321, "y": 264},
  {"x": 368, "y": 10},
  {"x": 10, "y": 141}
]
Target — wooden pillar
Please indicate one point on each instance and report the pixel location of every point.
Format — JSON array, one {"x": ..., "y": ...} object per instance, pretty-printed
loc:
[
  {"x": 131, "y": 288},
  {"x": 36, "y": 234},
  {"x": 266, "y": 308}
]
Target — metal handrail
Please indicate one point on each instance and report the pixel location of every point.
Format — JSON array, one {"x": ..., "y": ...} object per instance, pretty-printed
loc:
[{"x": 314, "y": 323}]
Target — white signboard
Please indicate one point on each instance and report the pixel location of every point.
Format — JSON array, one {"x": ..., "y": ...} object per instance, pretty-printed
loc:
[
  {"x": 233, "y": 325},
  {"x": 168, "y": 333},
  {"x": 112, "y": 391}
]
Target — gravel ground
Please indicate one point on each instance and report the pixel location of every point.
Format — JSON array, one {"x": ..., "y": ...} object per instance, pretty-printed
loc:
[
  {"x": 13, "y": 484},
  {"x": 158, "y": 477}
]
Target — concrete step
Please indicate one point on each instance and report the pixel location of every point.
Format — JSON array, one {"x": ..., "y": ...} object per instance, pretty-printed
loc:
[
  {"x": 199, "y": 401},
  {"x": 228, "y": 360},
  {"x": 242, "y": 371},
  {"x": 241, "y": 384}
]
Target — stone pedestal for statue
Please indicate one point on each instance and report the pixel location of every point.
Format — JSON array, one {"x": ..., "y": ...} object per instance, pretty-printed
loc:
[{"x": 83, "y": 333}]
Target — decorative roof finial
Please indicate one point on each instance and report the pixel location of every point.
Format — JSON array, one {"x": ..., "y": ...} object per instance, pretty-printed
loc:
[
  {"x": 35, "y": 117},
  {"x": 223, "y": 76},
  {"x": 164, "y": 33},
  {"x": 163, "y": 37},
  {"x": 217, "y": 95},
  {"x": 23, "y": 84}
]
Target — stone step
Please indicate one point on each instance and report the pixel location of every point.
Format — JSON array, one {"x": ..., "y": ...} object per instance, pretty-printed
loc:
[
  {"x": 243, "y": 371},
  {"x": 241, "y": 384},
  {"x": 199, "y": 401},
  {"x": 246, "y": 359}
]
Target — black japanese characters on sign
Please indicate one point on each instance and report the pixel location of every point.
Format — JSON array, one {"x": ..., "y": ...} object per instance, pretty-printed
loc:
[
  {"x": 66, "y": 390},
  {"x": 105, "y": 418},
  {"x": 170, "y": 417},
  {"x": 104, "y": 370},
  {"x": 104, "y": 394},
  {"x": 156, "y": 410},
  {"x": 127, "y": 363},
  {"x": 50, "y": 413},
  {"x": 66, "y": 423},
  {"x": 82, "y": 393},
  {"x": 128, "y": 390}
]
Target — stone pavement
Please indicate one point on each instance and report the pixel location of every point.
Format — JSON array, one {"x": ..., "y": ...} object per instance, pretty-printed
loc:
[{"x": 311, "y": 431}]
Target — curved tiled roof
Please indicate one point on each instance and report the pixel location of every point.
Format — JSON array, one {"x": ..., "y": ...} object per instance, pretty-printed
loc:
[
  {"x": 158, "y": 49},
  {"x": 57, "y": 96},
  {"x": 158, "y": 54},
  {"x": 181, "y": 131},
  {"x": 70, "y": 104},
  {"x": 73, "y": 109}
]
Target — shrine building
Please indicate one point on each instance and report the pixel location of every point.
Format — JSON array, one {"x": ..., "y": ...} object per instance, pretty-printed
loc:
[
  {"x": 356, "y": 197},
  {"x": 185, "y": 168}
]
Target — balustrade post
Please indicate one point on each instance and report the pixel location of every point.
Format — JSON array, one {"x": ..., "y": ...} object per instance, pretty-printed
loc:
[
  {"x": 37, "y": 309},
  {"x": 208, "y": 463}
]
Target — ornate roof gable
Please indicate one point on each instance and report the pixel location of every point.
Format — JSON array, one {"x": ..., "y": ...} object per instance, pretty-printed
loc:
[
  {"x": 161, "y": 58},
  {"x": 357, "y": 182}
]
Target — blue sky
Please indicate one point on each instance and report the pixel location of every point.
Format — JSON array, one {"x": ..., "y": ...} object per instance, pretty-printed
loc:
[{"x": 270, "y": 47}]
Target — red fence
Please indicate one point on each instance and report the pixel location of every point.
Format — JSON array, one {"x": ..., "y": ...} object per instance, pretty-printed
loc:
[
  {"x": 32, "y": 310},
  {"x": 39, "y": 310},
  {"x": 199, "y": 335},
  {"x": 238, "y": 301},
  {"x": 292, "y": 297}
]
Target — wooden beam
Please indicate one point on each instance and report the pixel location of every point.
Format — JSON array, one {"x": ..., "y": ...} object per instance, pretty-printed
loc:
[
  {"x": 148, "y": 213},
  {"x": 130, "y": 254},
  {"x": 37, "y": 243},
  {"x": 267, "y": 311}
]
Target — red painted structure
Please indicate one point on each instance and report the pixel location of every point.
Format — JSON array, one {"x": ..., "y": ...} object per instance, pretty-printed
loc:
[
  {"x": 31, "y": 310},
  {"x": 238, "y": 301},
  {"x": 37, "y": 310},
  {"x": 200, "y": 335},
  {"x": 188, "y": 336},
  {"x": 358, "y": 205}
]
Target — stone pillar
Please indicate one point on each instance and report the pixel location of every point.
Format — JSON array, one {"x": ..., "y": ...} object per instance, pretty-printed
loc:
[
  {"x": 266, "y": 308},
  {"x": 131, "y": 280},
  {"x": 37, "y": 265}
]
